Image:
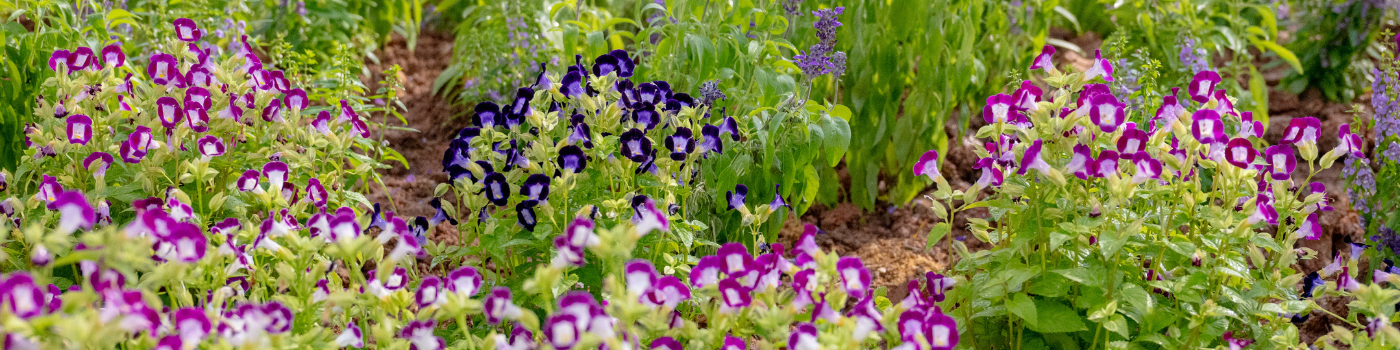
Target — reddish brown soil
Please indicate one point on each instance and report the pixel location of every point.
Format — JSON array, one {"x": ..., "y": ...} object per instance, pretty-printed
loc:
[{"x": 890, "y": 241}]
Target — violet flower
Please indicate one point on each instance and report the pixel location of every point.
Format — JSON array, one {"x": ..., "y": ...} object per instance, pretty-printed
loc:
[
  {"x": 1349, "y": 143},
  {"x": 928, "y": 165},
  {"x": 497, "y": 190},
  {"x": 1106, "y": 111},
  {"x": 1032, "y": 160},
  {"x": 804, "y": 337},
  {"x": 465, "y": 281},
  {"x": 680, "y": 144},
  {"x": 941, "y": 331},
  {"x": 1310, "y": 228},
  {"x": 162, "y": 69},
  {"x": 1132, "y": 141},
  {"x": 1000, "y": 108},
  {"x": 1203, "y": 85},
  {"x": 210, "y": 146},
  {"x": 79, "y": 129},
  {"x": 1207, "y": 127},
  {"x": 169, "y": 112},
  {"x": 59, "y": 58},
  {"x": 1043, "y": 60},
  {"x": 1281, "y": 161},
  {"x": 525, "y": 214},
  {"x": 192, "y": 325},
  {"x": 102, "y": 160},
  {"x": 1301, "y": 130},
  {"x": 74, "y": 212},
  {"x": 351, "y": 336},
  {"x": 733, "y": 295},
  {"x": 429, "y": 292},
  {"x": 1101, "y": 68},
  {"x": 396, "y": 280},
  {"x": 21, "y": 294},
  {"x": 855, "y": 277},
  {"x": 1240, "y": 153},
  {"x": 276, "y": 174},
  {"x": 735, "y": 199},
  {"x": 498, "y": 306},
  {"x": 80, "y": 59},
  {"x": 186, "y": 30},
  {"x": 420, "y": 335},
  {"x": 646, "y": 217},
  {"x": 1264, "y": 211}
]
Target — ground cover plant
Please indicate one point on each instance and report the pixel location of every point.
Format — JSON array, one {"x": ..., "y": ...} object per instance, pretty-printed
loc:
[{"x": 662, "y": 174}]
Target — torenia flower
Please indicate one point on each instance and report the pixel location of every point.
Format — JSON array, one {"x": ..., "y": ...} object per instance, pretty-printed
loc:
[
  {"x": 1207, "y": 127},
  {"x": 162, "y": 69},
  {"x": 1203, "y": 85},
  {"x": 1043, "y": 60},
  {"x": 928, "y": 165},
  {"x": 210, "y": 146},
  {"x": 867, "y": 318},
  {"x": 1147, "y": 167},
  {"x": 1250, "y": 127},
  {"x": 1264, "y": 211},
  {"x": 1026, "y": 96},
  {"x": 429, "y": 291},
  {"x": 735, "y": 199},
  {"x": 186, "y": 30},
  {"x": 351, "y": 336},
  {"x": 941, "y": 331},
  {"x": 79, "y": 129},
  {"x": 646, "y": 217},
  {"x": 1101, "y": 68},
  {"x": 395, "y": 281},
  {"x": 98, "y": 163},
  {"x": 498, "y": 306},
  {"x": 192, "y": 324},
  {"x": 276, "y": 173},
  {"x": 1032, "y": 160},
  {"x": 1349, "y": 143},
  {"x": 1240, "y": 153},
  {"x": 1106, "y": 111},
  {"x": 1236, "y": 343},
  {"x": 1281, "y": 161},
  {"x": 1301, "y": 130},
  {"x": 733, "y": 295},
  {"x": 1309, "y": 228},
  {"x": 991, "y": 174},
  {"x": 464, "y": 281},
  {"x": 22, "y": 296},
  {"x": 1132, "y": 141},
  {"x": 1000, "y": 108},
  {"x": 854, "y": 276},
  {"x": 804, "y": 337},
  {"x": 74, "y": 212},
  {"x": 420, "y": 335},
  {"x": 497, "y": 190}
]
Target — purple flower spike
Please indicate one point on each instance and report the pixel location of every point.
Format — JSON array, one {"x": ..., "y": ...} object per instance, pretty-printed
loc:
[
  {"x": 113, "y": 56},
  {"x": 79, "y": 129},
  {"x": 351, "y": 336},
  {"x": 1101, "y": 68},
  {"x": 103, "y": 161},
  {"x": 1106, "y": 111},
  {"x": 734, "y": 257},
  {"x": 210, "y": 146},
  {"x": 804, "y": 337},
  {"x": 1240, "y": 153},
  {"x": 498, "y": 306},
  {"x": 21, "y": 295},
  {"x": 1264, "y": 211},
  {"x": 1203, "y": 85},
  {"x": 162, "y": 69},
  {"x": 736, "y": 199},
  {"x": 1349, "y": 143},
  {"x": 1132, "y": 141},
  {"x": 645, "y": 217},
  {"x": 80, "y": 59},
  {"x": 186, "y": 30},
  {"x": 1147, "y": 167},
  {"x": 1032, "y": 160},
  {"x": 429, "y": 292},
  {"x": 1000, "y": 108},
  {"x": 59, "y": 58},
  {"x": 74, "y": 212},
  {"x": 855, "y": 277},
  {"x": 928, "y": 165},
  {"x": 497, "y": 190},
  {"x": 1207, "y": 127},
  {"x": 941, "y": 330},
  {"x": 1301, "y": 130},
  {"x": 733, "y": 295},
  {"x": 464, "y": 281},
  {"x": 680, "y": 144},
  {"x": 706, "y": 272},
  {"x": 1281, "y": 161},
  {"x": 1043, "y": 60}
]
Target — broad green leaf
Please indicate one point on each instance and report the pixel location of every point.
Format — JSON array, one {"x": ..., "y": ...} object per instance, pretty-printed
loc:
[
  {"x": 1282, "y": 52},
  {"x": 838, "y": 139},
  {"x": 1021, "y": 305},
  {"x": 938, "y": 232},
  {"x": 1056, "y": 318}
]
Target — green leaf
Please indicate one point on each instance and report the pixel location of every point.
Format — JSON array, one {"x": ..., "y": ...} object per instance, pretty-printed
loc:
[
  {"x": 1282, "y": 52},
  {"x": 1021, "y": 305},
  {"x": 1083, "y": 276},
  {"x": 936, "y": 234},
  {"x": 1055, "y": 317},
  {"x": 838, "y": 139}
]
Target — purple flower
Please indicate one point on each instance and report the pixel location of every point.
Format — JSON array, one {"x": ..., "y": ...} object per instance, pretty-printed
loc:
[
  {"x": 316, "y": 193},
  {"x": 49, "y": 189},
  {"x": 40, "y": 256},
  {"x": 1281, "y": 161},
  {"x": 680, "y": 144},
  {"x": 536, "y": 187},
  {"x": 162, "y": 69},
  {"x": 928, "y": 165},
  {"x": 276, "y": 173},
  {"x": 731, "y": 127},
  {"x": 640, "y": 276},
  {"x": 429, "y": 291},
  {"x": 812, "y": 64},
  {"x": 1264, "y": 211},
  {"x": 21, "y": 294},
  {"x": 273, "y": 113},
  {"x": 497, "y": 190},
  {"x": 1032, "y": 160},
  {"x": 395, "y": 281},
  {"x": 1301, "y": 130},
  {"x": 1170, "y": 111},
  {"x": 734, "y": 257},
  {"x": 1203, "y": 85},
  {"x": 855, "y": 277},
  {"x": 666, "y": 343},
  {"x": 645, "y": 217},
  {"x": 1349, "y": 143},
  {"x": 733, "y": 295},
  {"x": 351, "y": 336},
  {"x": 80, "y": 59},
  {"x": 186, "y": 30},
  {"x": 1101, "y": 68},
  {"x": 210, "y": 146},
  {"x": 192, "y": 324},
  {"x": 1081, "y": 163},
  {"x": 1000, "y": 108},
  {"x": 169, "y": 112},
  {"x": 580, "y": 136},
  {"x": 102, "y": 160},
  {"x": 1310, "y": 228},
  {"x": 562, "y": 330},
  {"x": 420, "y": 335},
  {"x": 487, "y": 115},
  {"x": 1025, "y": 98},
  {"x": 525, "y": 214},
  {"x": 777, "y": 198},
  {"x": 1236, "y": 343},
  {"x": 296, "y": 99},
  {"x": 1043, "y": 60},
  {"x": 1132, "y": 141},
  {"x": 280, "y": 83},
  {"x": 1240, "y": 153},
  {"x": 74, "y": 211},
  {"x": 464, "y": 281},
  {"x": 734, "y": 343},
  {"x": 571, "y": 158},
  {"x": 113, "y": 56},
  {"x": 735, "y": 199},
  {"x": 59, "y": 58},
  {"x": 1147, "y": 167},
  {"x": 1207, "y": 127},
  {"x": 1106, "y": 111},
  {"x": 498, "y": 306},
  {"x": 941, "y": 331},
  {"x": 706, "y": 271},
  {"x": 804, "y": 337}
]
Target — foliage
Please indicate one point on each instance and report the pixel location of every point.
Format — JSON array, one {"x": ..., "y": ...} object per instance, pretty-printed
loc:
[{"x": 1373, "y": 180}]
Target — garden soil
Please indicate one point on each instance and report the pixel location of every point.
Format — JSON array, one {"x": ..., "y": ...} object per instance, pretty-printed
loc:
[{"x": 890, "y": 240}]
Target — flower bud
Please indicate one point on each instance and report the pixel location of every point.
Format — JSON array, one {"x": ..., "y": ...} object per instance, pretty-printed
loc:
[
  {"x": 40, "y": 256},
  {"x": 1095, "y": 212},
  {"x": 1196, "y": 259}
]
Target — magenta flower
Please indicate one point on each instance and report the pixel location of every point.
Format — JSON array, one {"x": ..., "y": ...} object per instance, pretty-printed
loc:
[
  {"x": 249, "y": 181},
  {"x": 273, "y": 111},
  {"x": 1106, "y": 111},
  {"x": 1310, "y": 228},
  {"x": 991, "y": 174},
  {"x": 113, "y": 56},
  {"x": 98, "y": 163},
  {"x": 941, "y": 331},
  {"x": 464, "y": 281},
  {"x": 1043, "y": 60},
  {"x": 1203, "y": 85},
  {"x": 1207, "y": 127},
  {"x": 1170, "y": 111},
  {"x": 59, "y": 58},
  {"x": 80, "y": 59},
  {"x": 1026, "y": 96},
  {"x": 162, "y": 69},
  {"x": 316, "y": 193},
  {"x": 49, "y": 189},
  {"x": 74, "y": 212},
  {"x": 196, "y": 118},
  {"x": 1106, "y": 164},
  {"x": 186, "y": 30},
  {"x": 1281, "y": 161},
  {"x": 1081, "y": 163},
  {"x": 1263, "y": 211},
  {"x": 734, "y": 257},
  {"x": 498, "y": 306},
  {"x": 855, "y": 277},
  {"x": 1132, "y": 141},
  {"x": 1349, "y": 143},
  {"x": 928, "y": 165},
  {"x": 280, "y": 82},
  {"x": 276, "y": 173},
  {"x": 192, "y": 325},
  {"x": 429, "y": 291},
  {"x": 1250, "y": 127},
  {"x": 1240, "y": 153},
  {"x": 210, "y": 146},
  {"x": 1000, "y": 108},
  {"x": 1301, "y": 130},
  {"x": 804, "y": 337},
  {"x": 1147, "y": 167},
  {"x": 706, "y": 271},
  {"x": 169, "y": 112},
  {"x": 562, "y": 330},
  {"x": 640, "y": 276},
  {"x": 1032, "y": 160},
  {"x": 396, "y": 280},
  {"x": 200, "y": 76},
  {"x": 1101, "y": 68},
  {"x": 734, "y": 343},
  {"x": 351, "y": 336},
  {"x": 646, "y": 217},
  {"x": 198, "y": 98},
  {"x": 22, "y": 295},
  {"x": 733, "y": 295},
  {"x": 1236, "y": 343}
]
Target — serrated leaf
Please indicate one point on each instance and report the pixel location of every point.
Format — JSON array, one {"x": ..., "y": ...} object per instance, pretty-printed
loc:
[
  {"x": 1021, "y": 305},
  {"x": 1055, "y": 317}
]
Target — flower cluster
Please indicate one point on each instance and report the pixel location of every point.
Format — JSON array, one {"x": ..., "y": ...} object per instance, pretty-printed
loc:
[{"x": 822, "y": 58}]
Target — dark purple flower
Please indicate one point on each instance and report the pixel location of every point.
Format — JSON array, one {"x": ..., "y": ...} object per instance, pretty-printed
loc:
[
  {"x": 186, "y": 30},
  {"x": 162, "y": 69},
  {"x": 487, "y": 115},
  {"x": 81, "y": 58},
  {"x": 646, "y": 116},
  {"x": 497, "y": 190},
  {"x": 429, "y": 292},
  {"x": 646, "y": 217},
  {"x": 113, "y": 56},
  {"x": 736, "y": 199},
  {"x": 1000, "y": 108},
  {"x": 59, "y": 58},
  {"x": 1281, "y": 161},
  {"x": 102, "y": 160},
  {"x": 296, "y": 99},
  {"x": 1301, "y": 130},
  {"x": 635, "y": 145},
  {"x": 680, "y": 144},
  {"x": 525, "y": 214},
  {"x": 79, "y": 129},
  {"x": 169, "y": 112},
  {"x": 1106, "y": 111}
]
